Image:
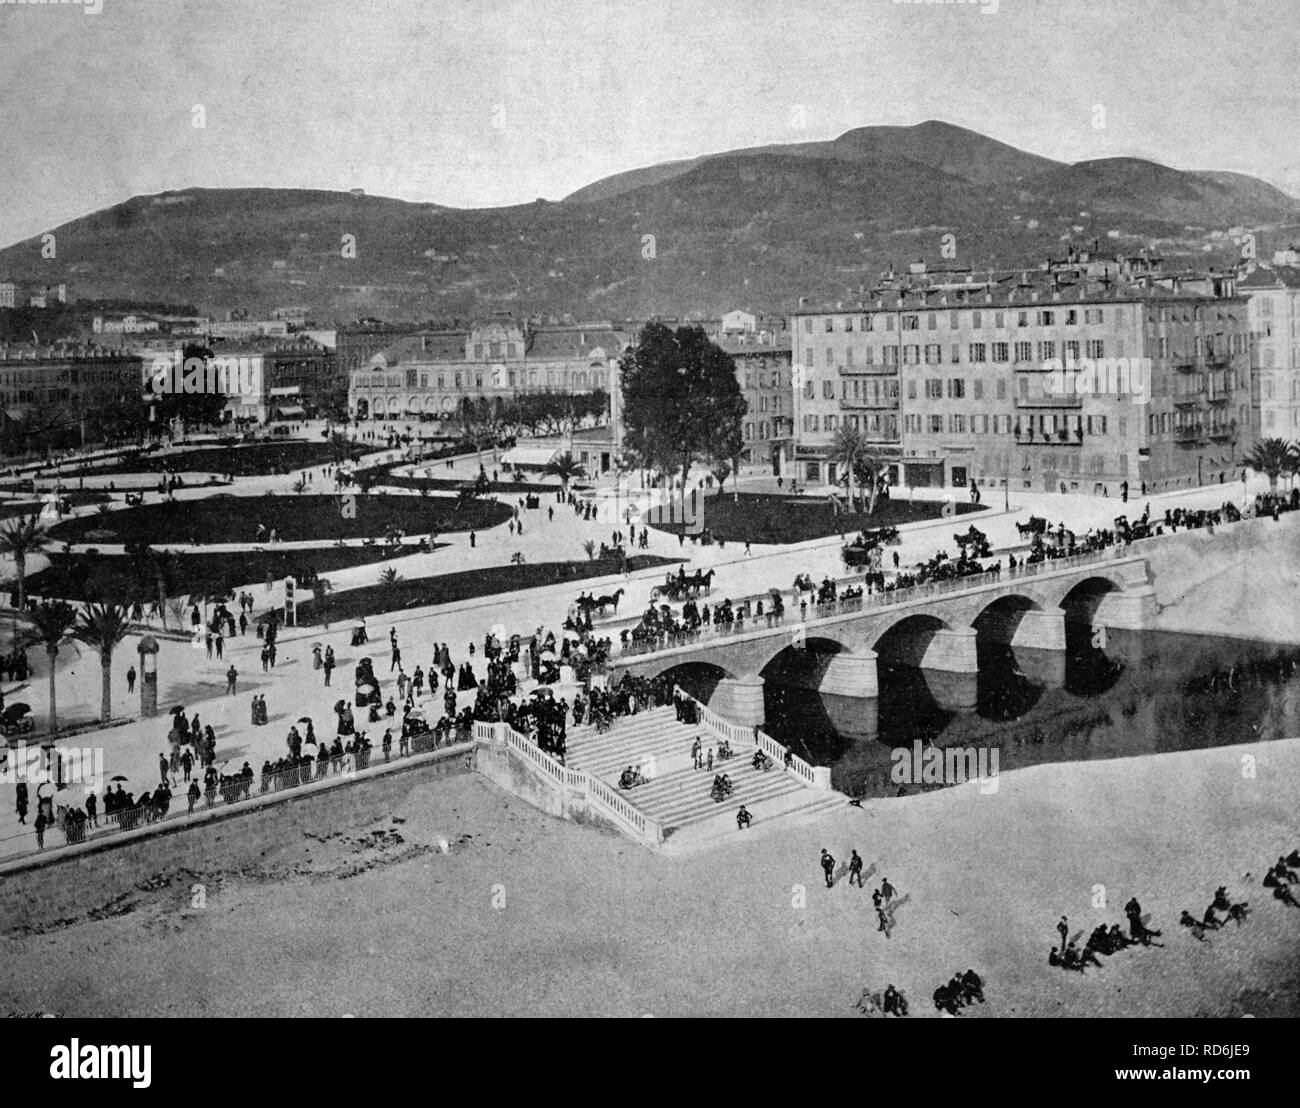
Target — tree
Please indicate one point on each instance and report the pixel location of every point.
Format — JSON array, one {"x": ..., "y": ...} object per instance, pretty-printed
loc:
[
  {"x": 192, "y": 408},
  {"x": 52, "y": 622},
  {"x": 19, "y": 538},
  {"x": 566, "y": 468},
  {"x": 389, "y": 577},
  {"x": 159, "y": 570},
  {"x": 102, "y": 627},
  {"x": 848, "y": 453},
  {"x": 589, "y": 545},
  {"x": 1273, "y": 457},
  {"x": 681, "y": 400},
  {"x": 870, "y": 469}
]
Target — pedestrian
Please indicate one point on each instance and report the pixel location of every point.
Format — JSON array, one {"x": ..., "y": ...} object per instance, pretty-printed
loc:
[
  {"x": 92, "y": 809},
  {"x": 231, "y": 674},
  {"x": 266, "y": 657},
  {"x": 471, "y": 540},
  {"x": 243, "y": 624},
  {"x": 162, "y": 768},
  {"x": 1063, "y": 926},
  {"x": 130, "y": 679},
  {"x": 855, "y": 868},
  {"x": 388, "y": 743},
  {"x": 20, "y": 801},
  {"x": 193, "y": 795},
  {"x": 219, "y": 642},
  {"x": 887, "y": 890},
  {"x": 828, "y": 867},
  {"x": 710, "y": 759},
  {"x": 40, "y": 830},
  {"x": 187, "y": 763},
  {"x": 395, "y": 662}
]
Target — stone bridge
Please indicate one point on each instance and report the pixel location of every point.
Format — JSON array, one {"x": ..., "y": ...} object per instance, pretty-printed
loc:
[{"x": 935, "y": 627}]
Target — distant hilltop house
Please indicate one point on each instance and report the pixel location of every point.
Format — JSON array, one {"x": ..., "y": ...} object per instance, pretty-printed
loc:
[
  {"x": 248, "y": 328},
  {"x": 28, "y": 294}
]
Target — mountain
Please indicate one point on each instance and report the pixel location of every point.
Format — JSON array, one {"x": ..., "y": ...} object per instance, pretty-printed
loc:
[{"x": 747, "y": 228}]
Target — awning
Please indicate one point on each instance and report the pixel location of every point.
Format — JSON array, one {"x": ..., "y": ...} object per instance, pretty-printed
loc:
[
  {"x": 287, "y": 390},
  {"x": 291, "y": 412},
  {"x": 537, "y": 457}
]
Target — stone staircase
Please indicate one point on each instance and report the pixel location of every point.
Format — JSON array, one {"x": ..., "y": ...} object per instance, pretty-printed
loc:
[{"x": 678, "y": 795}]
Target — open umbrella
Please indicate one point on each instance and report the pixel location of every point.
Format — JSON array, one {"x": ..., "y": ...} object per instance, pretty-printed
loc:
[
  {"x": 15, "y": 712},
  {"x": 120, "y": 777},
  {"x": 542, "y": 693},
  {"x": 44, "y": 789},
  {"x": 338, "y": 705},
  {"x": 304, "y": 719},
  {"x": 547, "y": 655},
  {"x": 310, "y": 750},
  {"x": 178, "y": 709}
]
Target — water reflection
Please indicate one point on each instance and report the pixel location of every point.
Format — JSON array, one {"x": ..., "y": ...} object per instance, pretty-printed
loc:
[{"x": 1136, "y": 693}]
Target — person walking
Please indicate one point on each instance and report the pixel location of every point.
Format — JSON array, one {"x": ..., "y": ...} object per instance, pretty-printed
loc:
[
  {"x": 887, "y": 891},
  {"x": 855, "y": 868},
  {"x": 395, "y": 662},
  {"x": 187, "y": 763},
  {"x": 193, "y": 795},
  {"x": 231, "y": 675},
  {"x": 828, "y": 867},
  {"x": 219, "y": 641},
  {"x": 92, "y": 809},
  {"x": 1063, "y": 926},
  {"x": 328, "y": 664},
  {"x": 130, "y": 680},
  {"x": 40, "y": 830},
  {"x": 20, "y": 801}
]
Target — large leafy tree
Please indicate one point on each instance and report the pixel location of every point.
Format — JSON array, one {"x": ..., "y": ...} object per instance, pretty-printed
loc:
[
  {"x": 20, "y": 537},
  {"x": 52, "y": 623},
  {"x": 193, "y": 408},
  {"x": 102, "y": 627},
  {"x": 1274, "y": 457},
  {"x": 681, "y": 399}
]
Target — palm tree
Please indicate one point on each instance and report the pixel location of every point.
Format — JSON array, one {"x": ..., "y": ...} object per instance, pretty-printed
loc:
[
  {"x": 102, "y": 627},
  {"x": 52, "y": 622},
  {"x": 163, "y": 567},
  {"x": 869, "y": 471},
  {"x": 1273, "y": 457},
  {"x": 389, "y": 577},
  {"x": 566, "y": 468},
  {"x": 19, "y": 538},
  {"x": 847, "y": 453},
  {"x": 589, "y": 545}
]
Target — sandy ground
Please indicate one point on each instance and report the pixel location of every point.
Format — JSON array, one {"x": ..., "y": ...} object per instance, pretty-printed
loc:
[{"x": 527, "y": 915}]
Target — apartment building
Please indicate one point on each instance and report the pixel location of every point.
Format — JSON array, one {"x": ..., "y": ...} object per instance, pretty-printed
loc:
[
  {"x": 427, "y": 374},
  {"x": 763, "y": 372},
  {"x": 1273, "y": 300},
  {"x": 1041, "y": 380}
]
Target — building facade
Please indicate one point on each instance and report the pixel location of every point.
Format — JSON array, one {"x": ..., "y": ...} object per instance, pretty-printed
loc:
[
  {"x": 1273, "y": 298},
  {"x": 63, "y": 395},
  {"x": 427, "y": 375},
  {"x": 1044, "y": 381},
  {"x": 763, "y": 372}
]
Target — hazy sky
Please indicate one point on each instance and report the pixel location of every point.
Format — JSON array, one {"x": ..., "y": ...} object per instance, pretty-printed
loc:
[{"x": 481, "y": 102}]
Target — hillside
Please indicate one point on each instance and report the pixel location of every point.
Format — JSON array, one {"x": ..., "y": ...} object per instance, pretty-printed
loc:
[{"x": 754, "y": 228}]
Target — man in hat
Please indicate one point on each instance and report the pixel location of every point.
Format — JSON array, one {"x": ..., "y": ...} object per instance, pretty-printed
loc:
[{"x": 828, "y": 867}]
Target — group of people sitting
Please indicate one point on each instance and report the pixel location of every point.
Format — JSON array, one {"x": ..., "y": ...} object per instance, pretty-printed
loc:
[
  {"x": 633, "y": 776},
  {"x": 1103, "y": 940},
  {"x": 721, "y": 789},
  {"x": 1210, "y": 920},
  {"x": 1281, "y": 876},
  {"x": 961, "y": 990}
]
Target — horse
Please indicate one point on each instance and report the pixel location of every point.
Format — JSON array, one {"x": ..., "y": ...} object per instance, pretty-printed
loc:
[{"x": 605, "y": 601}]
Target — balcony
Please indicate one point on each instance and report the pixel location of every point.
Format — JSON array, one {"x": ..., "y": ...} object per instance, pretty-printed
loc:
[
  {"x": 1059, "y": 401},
  {"x": 1186, "y": 401},
  {"x": 1219, "y": 397},
  {"x": 1223, "y": 433},
  {"x": 1189, "y": 435},
  {"x": 879, "y": 403},
  {"x": 867, "y": 370},
  {"x": 1187, "y": 365}
]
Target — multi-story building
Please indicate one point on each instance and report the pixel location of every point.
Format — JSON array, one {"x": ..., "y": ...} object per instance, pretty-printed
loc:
[
  {"x": 29, "y": 294},
  {"x": 1041, "y": 380},
  {"x": 1273, "y": 299},
  {"x": 64, "y": 395},
  {"x": 356, "y": 343},
  {"x": 763, "y": 372},
  {"x": 429, "y": 373}
]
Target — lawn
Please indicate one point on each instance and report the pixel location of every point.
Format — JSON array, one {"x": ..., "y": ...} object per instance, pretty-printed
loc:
[
  {"x": 86, "y": 576},
  {"x": 295, "y": 518},
  {"x": 244, "y": 460},
  {"x": 444, "y": 484},
  {"x": 776, "y": 519},
  {"x": 420, "y": 592}
]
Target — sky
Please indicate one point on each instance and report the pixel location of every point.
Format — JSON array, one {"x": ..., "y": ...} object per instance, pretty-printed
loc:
[{"x": 474, "y": 103}]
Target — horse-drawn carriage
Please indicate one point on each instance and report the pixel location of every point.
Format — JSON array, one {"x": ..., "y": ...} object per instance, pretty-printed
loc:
[
  {"x": 1036, "y": 526},
  {"x": 976, "y": 540},
  {"x": 682, "y": 586},
  {"x": 134, "y": 499},
  {"x": 587, "y": 603},
  {"x": 15, "y": 720}
]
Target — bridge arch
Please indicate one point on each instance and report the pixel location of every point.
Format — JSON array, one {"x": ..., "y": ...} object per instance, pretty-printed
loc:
[
  {"x": 790, "y": 658},
  {"x": 1081, "y": 600},
  {"x": 699, "y": 678},
  {"x": 905, "y": 641},
  {"x": 998, "y": 621}
]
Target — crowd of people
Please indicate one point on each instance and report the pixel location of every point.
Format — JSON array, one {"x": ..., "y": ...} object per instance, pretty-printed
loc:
[{"x": 962, "y": 989}]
